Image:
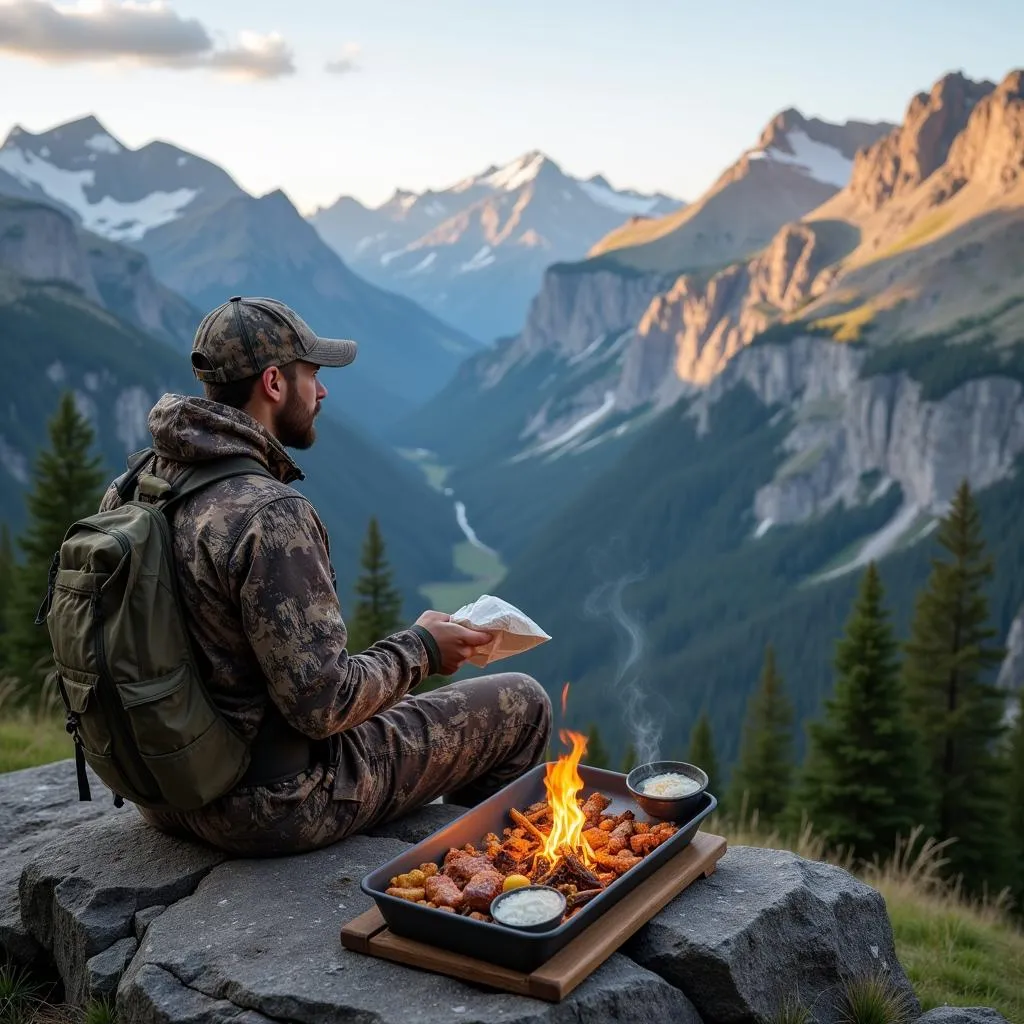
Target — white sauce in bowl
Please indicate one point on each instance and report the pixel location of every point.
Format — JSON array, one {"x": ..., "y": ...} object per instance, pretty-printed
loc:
[
  {"x": 669, "y": 786},
  {"x": 530, "y": 906}
]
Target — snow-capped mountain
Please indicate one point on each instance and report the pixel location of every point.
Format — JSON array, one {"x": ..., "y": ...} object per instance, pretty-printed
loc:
[
  {"x": 207, "y": 239},
  {"x": 113, "y": 191},
  {"x": 797, "y": 164},
  {"x": 475, "y": 253}
]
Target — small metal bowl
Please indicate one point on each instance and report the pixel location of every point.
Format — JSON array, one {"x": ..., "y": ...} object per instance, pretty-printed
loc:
[
  {"x": 540, "y": 926},
  {"x": 680, "y": 808}
]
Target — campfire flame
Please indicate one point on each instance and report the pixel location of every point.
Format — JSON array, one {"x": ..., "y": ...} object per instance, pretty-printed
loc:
[{"x": 562, "y": 783}]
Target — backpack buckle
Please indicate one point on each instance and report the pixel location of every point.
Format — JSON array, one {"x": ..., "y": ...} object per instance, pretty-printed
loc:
[{"x": 153, "y": 487}]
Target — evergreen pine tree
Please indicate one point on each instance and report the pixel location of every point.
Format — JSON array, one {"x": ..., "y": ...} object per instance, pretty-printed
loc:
[
  {"x": 863, "y": 783},
  {"x": 378, "y": 606},
  {"x": 67, "y": 485},
  {"x": 597, "y": 753},
  {"x": 764, "y": 770},
  {"x": 629, "y": 759},
  {"x": 1015, "y": 804},
  {"x": 701, "y": 751},
  {"x": 958, "y": 712}
]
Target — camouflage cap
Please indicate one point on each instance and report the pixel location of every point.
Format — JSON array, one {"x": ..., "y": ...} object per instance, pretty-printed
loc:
[{"x": 243, "y": 336}]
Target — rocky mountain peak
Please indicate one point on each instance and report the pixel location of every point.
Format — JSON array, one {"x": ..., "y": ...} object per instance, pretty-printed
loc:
[
  {"x": 915, "y": 149},
  {"x": 820, "y": 149},
  {"x": 990, "y": 150}
]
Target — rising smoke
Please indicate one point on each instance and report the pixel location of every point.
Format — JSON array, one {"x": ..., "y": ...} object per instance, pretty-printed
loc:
[{"x": 606, "y": 600}]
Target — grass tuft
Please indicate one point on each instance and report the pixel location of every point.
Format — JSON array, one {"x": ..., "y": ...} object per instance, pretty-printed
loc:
[{"x": 873, "y": 1000}]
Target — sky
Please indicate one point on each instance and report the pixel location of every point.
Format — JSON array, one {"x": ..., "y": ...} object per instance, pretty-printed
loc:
[{"x": 329, "y": 97}]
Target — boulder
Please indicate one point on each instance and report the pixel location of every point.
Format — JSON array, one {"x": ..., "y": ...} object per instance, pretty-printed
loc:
[
  {"x": 768, "y": 927},
  {"x": 962, "y": 1015},
  {"x": 177, "y": 932},
  {"x": 36, "y": 806},
  {"x": 80, "y": 892},
  {"x": 261, "y": 938},
  {"x": 415, "y": 827}
]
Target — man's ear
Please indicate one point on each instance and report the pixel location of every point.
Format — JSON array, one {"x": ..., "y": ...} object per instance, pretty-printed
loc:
[{"x": 272, "y": 383}]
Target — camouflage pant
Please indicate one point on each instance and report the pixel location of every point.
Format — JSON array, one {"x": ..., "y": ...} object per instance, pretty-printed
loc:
[{"x": 464, "y": 741}]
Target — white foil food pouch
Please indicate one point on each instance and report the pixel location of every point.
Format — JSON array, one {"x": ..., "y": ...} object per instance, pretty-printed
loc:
[{"x": 513, "y": 631}]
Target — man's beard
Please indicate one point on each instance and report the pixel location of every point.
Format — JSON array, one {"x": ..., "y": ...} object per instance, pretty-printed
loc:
[{"x": 294, "y": 425}]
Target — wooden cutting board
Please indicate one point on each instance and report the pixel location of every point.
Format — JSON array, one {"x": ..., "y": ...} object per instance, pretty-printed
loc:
[{"x": 557, "y": 977}]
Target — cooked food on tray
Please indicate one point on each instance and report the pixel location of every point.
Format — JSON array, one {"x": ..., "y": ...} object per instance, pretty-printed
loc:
[{"x": 575, "y": 848}]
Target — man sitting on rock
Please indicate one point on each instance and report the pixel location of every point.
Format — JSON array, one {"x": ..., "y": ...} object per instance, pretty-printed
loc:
[{"x": 336, "y": 743}]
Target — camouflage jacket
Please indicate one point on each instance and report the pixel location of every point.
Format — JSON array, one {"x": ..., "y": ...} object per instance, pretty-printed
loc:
[{"x": 254, "y": 566}]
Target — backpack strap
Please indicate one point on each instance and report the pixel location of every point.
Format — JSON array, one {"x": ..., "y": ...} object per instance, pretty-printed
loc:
[{"x": 197, "y": 477}]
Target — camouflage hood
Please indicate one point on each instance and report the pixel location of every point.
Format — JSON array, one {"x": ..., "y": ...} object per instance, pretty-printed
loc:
[{"x": 190, "y": 429}]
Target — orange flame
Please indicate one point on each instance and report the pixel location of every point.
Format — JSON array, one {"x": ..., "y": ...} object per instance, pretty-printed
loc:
[
  {"x": 562, "y": 783},
  {"x": 565, "y": 697}
]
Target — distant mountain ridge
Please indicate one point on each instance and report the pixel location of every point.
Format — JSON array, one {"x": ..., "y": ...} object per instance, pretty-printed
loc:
[
  {"x": 795, "y": 166},
  {"x": 732, "y": 444},
  {"x": 74, "y": 317},
  {"x": 474, "y": 253},
  {"x": 208, "y": 239}
]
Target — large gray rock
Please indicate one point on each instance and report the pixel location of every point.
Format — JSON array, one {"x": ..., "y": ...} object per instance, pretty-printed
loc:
[
  {"x": 79, "y": 894},
  {"x": 416, "y": 826},
  {"x": 260, "y": 940},
  {"x": 36, "y": 806},
  {"x": 768, "y": 926},
  {"x": 962, "y": 1015}
]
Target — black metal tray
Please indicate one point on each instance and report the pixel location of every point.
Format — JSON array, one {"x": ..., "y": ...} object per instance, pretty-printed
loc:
[{"x": 498, "y": 944}]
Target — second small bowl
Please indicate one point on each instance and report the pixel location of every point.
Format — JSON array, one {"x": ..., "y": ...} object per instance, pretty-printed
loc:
[
  {"x": 679, "y": 808},
  {"x": 539, "y": 926}
]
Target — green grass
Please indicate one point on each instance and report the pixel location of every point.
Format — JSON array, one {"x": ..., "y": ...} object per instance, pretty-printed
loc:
[
  {"x": 925, "y": 229},
  {"x": 485, "y": 570},
  {"x": 433, "y": 471},
  {"x": 27, "y": 740},
  {"x": 955, "y": 951},
  {"x": 955, "y": 954}
]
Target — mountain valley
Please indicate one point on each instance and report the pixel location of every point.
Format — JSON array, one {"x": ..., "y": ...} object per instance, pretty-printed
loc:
[
  {"x": 712, "y": 456},
  {"x": 670, "y": 432}
]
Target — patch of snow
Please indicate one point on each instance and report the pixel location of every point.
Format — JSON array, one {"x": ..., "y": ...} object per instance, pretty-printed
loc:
[
  {"x": 91, "y": 158},
  {"x": 91, "y": 380},
  {"x": 882, "y": 487},
  {"x": 516, "y": 174},
  {"x": 618, "y": 201},
  {"x": 108, "y": 217},
  {"x": 878, "y": 544},
  {"x": 566, "y": 195},
  {"x": 45, "y": 151},
  {"x": 588, "y": 351},
  {"x": 367, "y": 241},
  {"x": 435, "y": 209},
  {"x": 101, "y": 142},
  {"x": 131, "y": 411},
  {"x": 424, "y": 263},
  {"x": 387, "y": 257},
  {"x": 468, "y": 531},
  {"x": 821, "y": 162},
  {"x": 13, "y": 461},
  {"x": 181, "y": 161},
  {"x": 406, "y": 201},
  {"x": 56, "y": 372},
  {"x": 581, "y": 426},
  {"x": 763, "y": 527},
  {"x": 481, "y": 258}
]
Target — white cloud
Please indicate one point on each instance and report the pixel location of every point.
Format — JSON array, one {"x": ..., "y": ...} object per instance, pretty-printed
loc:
[
  {"x": 345, "y": 62},
  {"x": 141, "y": 32}
]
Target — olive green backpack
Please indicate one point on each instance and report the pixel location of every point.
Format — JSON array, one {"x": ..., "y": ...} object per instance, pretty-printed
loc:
[{"x": 127, "y": 671}]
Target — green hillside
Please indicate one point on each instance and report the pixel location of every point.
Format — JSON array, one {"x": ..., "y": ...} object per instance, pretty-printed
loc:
[
  {"x": 702, "y": 595},
  {"x": 54, "y": 339}
]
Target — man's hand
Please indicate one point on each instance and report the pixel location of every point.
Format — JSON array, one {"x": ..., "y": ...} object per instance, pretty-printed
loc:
[{"x": 456, "y": 643}]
